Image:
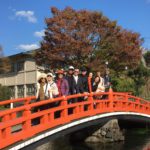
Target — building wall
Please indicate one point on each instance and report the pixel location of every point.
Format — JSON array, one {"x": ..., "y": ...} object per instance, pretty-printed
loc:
[
  {"x": 22, "y": 82},
  {"x": 30, "y": 65}
]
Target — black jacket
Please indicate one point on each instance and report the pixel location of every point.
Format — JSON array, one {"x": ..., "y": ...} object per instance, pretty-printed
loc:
[
  {"x": 69, "y": 78},
  {"x": 85, "y": 83},
  {"x": 77, "y": 87}
]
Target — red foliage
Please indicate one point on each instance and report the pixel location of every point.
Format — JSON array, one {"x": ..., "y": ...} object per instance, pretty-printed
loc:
[{"x": 87, "y": 38}]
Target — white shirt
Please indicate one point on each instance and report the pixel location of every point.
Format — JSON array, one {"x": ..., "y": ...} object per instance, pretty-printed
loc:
[
  {"x": 52, "y": 87},
  {"x": 101, "y": 81},
  {"x": 101, "y": 87},
  {"x": 76, "y": 79}
]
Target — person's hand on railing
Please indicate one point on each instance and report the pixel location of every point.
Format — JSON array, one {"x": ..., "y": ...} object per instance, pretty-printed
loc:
[{"x": 85, "y": 97}]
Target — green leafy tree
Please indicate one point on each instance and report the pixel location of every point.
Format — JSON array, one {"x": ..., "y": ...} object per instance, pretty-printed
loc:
[
  {"x": 140, "y": 76},
  {"x": 4, "y": 93},
  {"x": 123, "y": 84},
  {"x": 147, "y": 58}
]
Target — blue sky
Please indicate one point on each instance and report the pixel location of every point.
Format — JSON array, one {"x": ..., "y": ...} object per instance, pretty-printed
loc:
[{"x": 22, "y": 21}]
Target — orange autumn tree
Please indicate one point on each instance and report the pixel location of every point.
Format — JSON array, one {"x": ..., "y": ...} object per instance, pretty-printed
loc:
[{"x": 81, "y": 37}]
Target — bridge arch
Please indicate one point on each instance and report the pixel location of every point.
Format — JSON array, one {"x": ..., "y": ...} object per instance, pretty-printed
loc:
[{"x": 78, "y": 125}]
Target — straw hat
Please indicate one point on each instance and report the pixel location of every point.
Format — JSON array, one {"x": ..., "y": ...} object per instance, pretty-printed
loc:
[{"x": 42, "y": 75}]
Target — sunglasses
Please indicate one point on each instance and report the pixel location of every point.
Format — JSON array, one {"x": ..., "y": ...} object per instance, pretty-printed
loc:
[{"x": 49, "y": 76}]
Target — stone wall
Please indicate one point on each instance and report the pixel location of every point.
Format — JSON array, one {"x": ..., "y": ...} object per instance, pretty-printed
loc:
[{"x": 110, "y": 132}]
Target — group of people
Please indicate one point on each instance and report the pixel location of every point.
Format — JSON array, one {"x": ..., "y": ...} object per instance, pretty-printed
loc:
[{"x": 70, "y": 82}]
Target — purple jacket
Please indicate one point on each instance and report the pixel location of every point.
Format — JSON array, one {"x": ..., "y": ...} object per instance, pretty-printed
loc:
[{"x": 64, "y": 87}]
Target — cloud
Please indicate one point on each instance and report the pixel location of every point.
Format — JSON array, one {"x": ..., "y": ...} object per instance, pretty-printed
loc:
[
  {"x": 39, "y": 33},
  {"x": 29, "y": 15},
  {"x": 27, "y": 47}
]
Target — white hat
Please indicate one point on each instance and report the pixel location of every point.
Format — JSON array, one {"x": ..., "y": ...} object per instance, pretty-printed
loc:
[
  {"x": 42, "y": 75},
  {"x": 71, "y": 68},
  {"x": 50, "y": 74}
]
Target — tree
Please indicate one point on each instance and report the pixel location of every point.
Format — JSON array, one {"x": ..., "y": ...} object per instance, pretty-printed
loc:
[
  {"x": 122, "y": 50},
  {"x": 4, "y": 93},
  {"x": 147, "y": 58},
  {"x": 123, "y": 84},
  {"x": 87, "y": 38},
  {"x": 140, "y": 75},
  {"x": 5, "y": 63}
]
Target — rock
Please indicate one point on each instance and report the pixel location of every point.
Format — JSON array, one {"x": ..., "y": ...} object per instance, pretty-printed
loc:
[
  {"x": 103, "y": 133},
  {"x": 109, "y": 135},
  {"x": 97, "y": 132},
  {"x": 122, "y": 138},
  {"x": 115, "y": 125},
  {"x": 92, "y": 139},
  {"x": 110, "y": 132}
]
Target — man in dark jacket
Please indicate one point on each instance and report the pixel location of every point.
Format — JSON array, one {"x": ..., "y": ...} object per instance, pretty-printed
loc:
[
  {"x": 84, "y": 79},
  {"x": 77, "y": 86}
]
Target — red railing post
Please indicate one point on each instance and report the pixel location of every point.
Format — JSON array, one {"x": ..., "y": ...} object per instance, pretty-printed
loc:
[
  {"x": 13, "y": 115},
  {"x": 5, "y": 118},
  {"x": 111, "y": 99},
  {"x": 81, "y": 108},
  {"x": 51, "y": 117},
  {"x": 126, "y": 97},
  {"x": 27, "y": 122},
  {"x": 90, "y": 97},
  {"x": 91, "y": 100},
  {"x": 44, "y": 119},
  {"x": 64, "y": 104},
  {"x": 125, "y": 104},
  {"x": 27, "y": 101},
  {"x": 7, "y": 131},
  {"x": 89, "y": 84}
]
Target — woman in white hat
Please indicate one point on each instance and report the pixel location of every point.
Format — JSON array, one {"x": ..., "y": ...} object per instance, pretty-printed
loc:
[{"x": 41, "y": 87}]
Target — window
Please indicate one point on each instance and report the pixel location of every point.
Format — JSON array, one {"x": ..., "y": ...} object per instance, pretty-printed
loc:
[
  {"x": 20, "y": 90},
  {"x": 12, "y": 91},
  {"x": 30, "y": 89},
  {"x": 20, "y": 66},
  {"x": 12, "y": 67}
]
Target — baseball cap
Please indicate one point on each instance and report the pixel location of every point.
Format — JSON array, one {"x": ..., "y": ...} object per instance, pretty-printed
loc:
[
  {"x": 71, "y": 68},
  {"x": 50, "y": 74}
]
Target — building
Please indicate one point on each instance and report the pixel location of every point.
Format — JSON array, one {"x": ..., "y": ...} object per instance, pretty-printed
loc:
[{"x": 21, "y": 75}]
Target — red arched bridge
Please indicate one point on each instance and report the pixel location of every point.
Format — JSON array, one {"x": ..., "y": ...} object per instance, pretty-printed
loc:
[{"x": 18, "y": 130}]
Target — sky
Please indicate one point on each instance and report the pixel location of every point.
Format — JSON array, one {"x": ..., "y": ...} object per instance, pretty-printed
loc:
[{"x": 22, "y": 21}]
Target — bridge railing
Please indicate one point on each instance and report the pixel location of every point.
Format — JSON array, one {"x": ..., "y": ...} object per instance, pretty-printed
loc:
[
  {"x": 17, "y": 102},
  {"x": 60, "y": 114},
  {"x": 14, "y": 127}
]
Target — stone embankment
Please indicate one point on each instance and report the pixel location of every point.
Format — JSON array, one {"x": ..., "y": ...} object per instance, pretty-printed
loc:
[{"x": 110, "y": 132}]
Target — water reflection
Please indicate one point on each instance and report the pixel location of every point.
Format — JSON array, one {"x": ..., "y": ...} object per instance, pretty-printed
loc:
[{"x": 133, "y": 141}]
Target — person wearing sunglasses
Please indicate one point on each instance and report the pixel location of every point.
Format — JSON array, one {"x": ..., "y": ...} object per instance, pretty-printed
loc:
[{"x": 52, "y": 89}]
